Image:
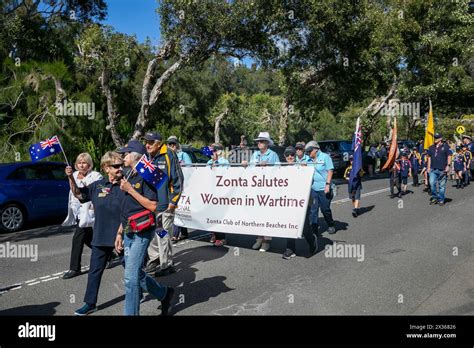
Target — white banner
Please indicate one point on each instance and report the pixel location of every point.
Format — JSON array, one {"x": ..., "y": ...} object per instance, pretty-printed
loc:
[{"x": 260, "y": 201}]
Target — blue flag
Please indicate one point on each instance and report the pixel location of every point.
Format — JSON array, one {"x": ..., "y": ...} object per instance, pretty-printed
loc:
[
  {"x": 206, "y": 150},
  {"x": 45, "y": 148},
  {"x": 357, "y": 159},
  {"x": 150, "y": 172}
]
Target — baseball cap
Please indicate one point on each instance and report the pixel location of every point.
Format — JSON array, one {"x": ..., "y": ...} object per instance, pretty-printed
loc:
[
  {"x": 153, "y": 136},
  {"x": 437, "y": 136},
  {"x": 313, "y": 144},
  {"x": 133, "y": 146},
  {"x": 300, "y": 145},
  {"x": 172, "y": 140}
]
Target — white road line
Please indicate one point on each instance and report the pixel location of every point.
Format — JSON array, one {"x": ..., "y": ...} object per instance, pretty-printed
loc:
[
  {"x": 362, "y": 195},
  {"x": 59, "y": 273},
  {"x": 32, "y": 280},
  {"x": 45, "y": 277},
  {"x": 19, "y": 287},
  {"x": 47, "y": 280},
  {"x": 34, "y": 283}
]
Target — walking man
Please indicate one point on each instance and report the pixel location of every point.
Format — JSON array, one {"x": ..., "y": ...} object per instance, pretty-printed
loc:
[{"x": 439, "y": 159}]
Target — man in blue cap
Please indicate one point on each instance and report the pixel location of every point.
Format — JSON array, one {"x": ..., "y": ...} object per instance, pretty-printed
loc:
[
  {"x": 160, "y": 250},
  {"x": 439, "y": 159}
]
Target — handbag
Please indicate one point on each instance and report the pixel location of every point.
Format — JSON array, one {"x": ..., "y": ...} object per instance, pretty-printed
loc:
[
  {"x": 86, "y": 215},
  {"x": 141, "y": 221}
]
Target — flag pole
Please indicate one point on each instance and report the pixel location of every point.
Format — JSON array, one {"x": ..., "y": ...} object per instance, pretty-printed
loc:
[{"x": 62, "y": 150}]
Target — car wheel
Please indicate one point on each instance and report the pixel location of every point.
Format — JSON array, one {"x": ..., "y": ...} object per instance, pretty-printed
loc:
[{"x": 12, "y": 218}]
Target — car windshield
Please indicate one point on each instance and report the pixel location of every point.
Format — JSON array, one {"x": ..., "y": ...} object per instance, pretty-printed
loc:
[{"x": 345, "y": 146}]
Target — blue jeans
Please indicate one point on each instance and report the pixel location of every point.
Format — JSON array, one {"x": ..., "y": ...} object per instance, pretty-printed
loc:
[
  {"x": 318, "y": 200},
  {"x": 438, "y": 177},
  {"x": 136, "y": 280}
]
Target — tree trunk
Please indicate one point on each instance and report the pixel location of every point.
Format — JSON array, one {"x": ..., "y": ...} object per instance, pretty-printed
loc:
[
  {"x": 217, "y": 125},
  {"x": 111, "y": 113},
  {"x": 283, "y": 122}
]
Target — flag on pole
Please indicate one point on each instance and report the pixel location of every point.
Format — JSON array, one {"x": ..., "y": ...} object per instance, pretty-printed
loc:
[
  {"x": 48, "y": 147},
  {"x": 393, "y": 152},
  {"x": 151, "y": 173},
  {"x": 429, "y": 133},
  {"x": 357, "y": 149}
]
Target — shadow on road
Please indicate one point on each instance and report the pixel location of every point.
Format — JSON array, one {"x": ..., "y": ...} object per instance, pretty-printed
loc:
[
  {"x": 364, "y": 210},
  {"x": 46, "y": 309},
  {"x": 189, "y": 291}
]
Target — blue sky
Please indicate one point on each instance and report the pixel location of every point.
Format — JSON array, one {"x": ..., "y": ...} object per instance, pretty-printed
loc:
[
  {"x": 134, "y": 17},
  {"x": 139, "y": 17}
]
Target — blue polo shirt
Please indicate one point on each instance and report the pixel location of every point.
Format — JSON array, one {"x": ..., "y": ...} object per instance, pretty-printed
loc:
[
  {"x": 439, "y": 155},
  {"x": 304, "y": 159},
  {"x": 130, "y": 205},
  {"x": 322, "y": 165},
  {"x": 107, "y": 199},
  {"x": 221, "y": 161},
  {"x": 184, "y": 158},
  {"x": 269, "y": 156}
]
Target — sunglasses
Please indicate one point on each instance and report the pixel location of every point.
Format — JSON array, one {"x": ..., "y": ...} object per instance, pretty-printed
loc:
[
  {"x": 117, "y": 166},
  {"x": 290, "y": 155}
]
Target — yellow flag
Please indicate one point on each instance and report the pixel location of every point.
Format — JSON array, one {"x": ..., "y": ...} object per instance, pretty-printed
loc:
[{"x": 429, "y": 133}]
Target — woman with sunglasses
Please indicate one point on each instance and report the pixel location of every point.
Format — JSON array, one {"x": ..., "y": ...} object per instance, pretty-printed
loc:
[
  {"x": 218, "y": 160},
  {"x": 290, "y": 156},
  {"x": 106, "y": 196}
]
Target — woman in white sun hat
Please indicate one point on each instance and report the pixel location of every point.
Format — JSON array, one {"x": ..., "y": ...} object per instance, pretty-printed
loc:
[{"x": 263, "y": 157}]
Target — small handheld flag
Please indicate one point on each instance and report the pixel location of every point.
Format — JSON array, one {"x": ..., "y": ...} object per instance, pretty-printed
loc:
[
  {"x": 150, "y": 172},
  {"x": 207, "y": 151},
  {"x": 46, "y": 148}
]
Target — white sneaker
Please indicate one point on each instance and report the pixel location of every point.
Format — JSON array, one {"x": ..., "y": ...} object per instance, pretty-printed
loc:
[
  {"x": 265, "y": 247},
  {"x": 257, "y": 244}
]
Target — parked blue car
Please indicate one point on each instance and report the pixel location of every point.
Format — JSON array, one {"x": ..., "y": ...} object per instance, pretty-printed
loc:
[{"x": 31, "y": 191}]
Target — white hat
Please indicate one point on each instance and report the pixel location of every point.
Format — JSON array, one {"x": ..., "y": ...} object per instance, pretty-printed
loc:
[{"x": 264, "y": 136}]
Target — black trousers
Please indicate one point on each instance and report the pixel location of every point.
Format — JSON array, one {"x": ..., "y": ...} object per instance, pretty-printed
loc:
[
  {"x": 81, "y": 236},
  {"x": 307, "y": 233},
  {"x": 415, "y": 178},
  {"x": 99, "y": 258}
]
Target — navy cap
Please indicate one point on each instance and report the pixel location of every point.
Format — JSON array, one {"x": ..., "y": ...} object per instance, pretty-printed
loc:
[
  {"x": 437, "y": 136},
  {"x": 153, "y": 136},
  {"x": 133, "y": 146}
]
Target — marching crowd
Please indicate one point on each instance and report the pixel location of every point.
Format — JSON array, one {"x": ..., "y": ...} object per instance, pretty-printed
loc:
[{"x": 122, "y": 216}]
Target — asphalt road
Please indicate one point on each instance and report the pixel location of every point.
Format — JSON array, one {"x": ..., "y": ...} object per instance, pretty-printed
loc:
[{"x": 418, "y": 260}]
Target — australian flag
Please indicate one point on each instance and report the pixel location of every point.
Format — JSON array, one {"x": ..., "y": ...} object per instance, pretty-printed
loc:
[
  {"x": 357, "y": 159},
  {"x": 151, "y": 173},
  {"x": 206, "y": 150},
  {"x": 45, "y": 148}
]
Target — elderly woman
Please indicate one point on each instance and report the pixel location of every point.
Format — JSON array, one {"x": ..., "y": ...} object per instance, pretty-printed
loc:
[
  {"x": 218, "y": 160},
  {"x": 80, "y": 215},
  {"x": 140, "y": 198},
  {"x": 264, "y": 156},
  {"x": 106, "y": 196}
]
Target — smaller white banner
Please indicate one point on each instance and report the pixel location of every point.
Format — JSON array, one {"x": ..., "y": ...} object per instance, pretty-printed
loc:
[{"x": 261, "y": 201}]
